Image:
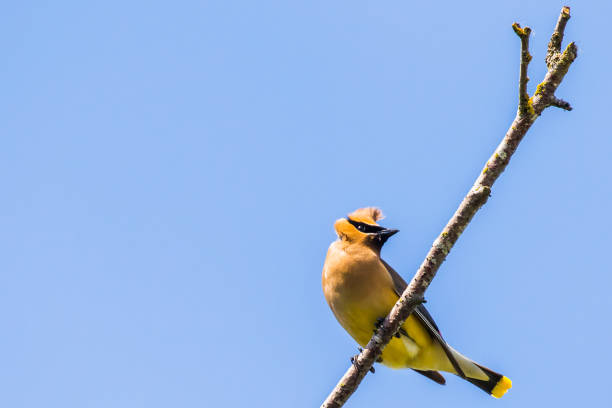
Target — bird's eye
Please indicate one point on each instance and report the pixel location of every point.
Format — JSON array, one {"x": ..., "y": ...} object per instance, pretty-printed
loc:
[{"x": 365, "y": 228}]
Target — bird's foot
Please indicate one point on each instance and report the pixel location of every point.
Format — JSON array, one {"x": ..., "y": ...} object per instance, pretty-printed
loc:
[
  {"x": 354, "y": 361},
  {"x": 354, "y": 358},
  {"x": 378, "y": 324}
]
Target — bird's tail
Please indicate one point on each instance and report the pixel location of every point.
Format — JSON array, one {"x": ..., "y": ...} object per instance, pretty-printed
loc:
[
  {"x": 496, "y": 385},
  {"x": 487, "y": 380}
]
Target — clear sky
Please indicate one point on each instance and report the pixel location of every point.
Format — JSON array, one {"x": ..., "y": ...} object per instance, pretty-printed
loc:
[{"x": 171, "y": 172}]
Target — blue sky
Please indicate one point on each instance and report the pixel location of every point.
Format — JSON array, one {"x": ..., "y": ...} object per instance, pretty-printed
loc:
[{"x": 171, "y": 174}]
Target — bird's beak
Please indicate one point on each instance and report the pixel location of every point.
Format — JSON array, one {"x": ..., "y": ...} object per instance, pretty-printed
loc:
[{"x": 384, "y": 235}]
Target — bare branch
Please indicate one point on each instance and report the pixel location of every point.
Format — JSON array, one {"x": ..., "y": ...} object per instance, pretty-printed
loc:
[
  {"x": 560, "y": 103},
  {"x": 545, "y": 93},
  {"x": 529, "y": 109},
  {"x": 554, "y": 46},
  {"x": 523, "y": 34}
]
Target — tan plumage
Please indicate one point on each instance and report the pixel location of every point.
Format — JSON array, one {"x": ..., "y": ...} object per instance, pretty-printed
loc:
[{"x": 361, "y": 288}]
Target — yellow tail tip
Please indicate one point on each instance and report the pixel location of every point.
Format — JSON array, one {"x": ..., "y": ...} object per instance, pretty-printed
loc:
[{"x": 501, "y": 387}]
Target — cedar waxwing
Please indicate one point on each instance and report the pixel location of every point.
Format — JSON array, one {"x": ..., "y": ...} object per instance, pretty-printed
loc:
[{"x": 361, "y": 289}]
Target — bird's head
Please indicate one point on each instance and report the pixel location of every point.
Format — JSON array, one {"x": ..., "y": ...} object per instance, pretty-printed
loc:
[{"x": 360, "y": 227}]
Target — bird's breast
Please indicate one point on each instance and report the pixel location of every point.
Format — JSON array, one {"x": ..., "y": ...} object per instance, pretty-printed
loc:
[{"x": 358, "y": 288}]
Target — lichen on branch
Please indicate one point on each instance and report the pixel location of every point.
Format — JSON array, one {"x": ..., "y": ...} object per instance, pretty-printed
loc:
[{"x": 525, "y": 107}]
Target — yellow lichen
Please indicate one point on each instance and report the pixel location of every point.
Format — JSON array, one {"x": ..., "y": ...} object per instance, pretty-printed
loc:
[
  {"x": 566, "y": 11},
  {"x": 518, "y": 30},
  {"x": 527, "y": 108}
]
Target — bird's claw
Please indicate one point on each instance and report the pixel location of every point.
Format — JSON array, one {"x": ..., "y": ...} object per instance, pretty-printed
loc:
[
  {"x": 354, "y": 361},
  {"x": 378, "y": 324}
]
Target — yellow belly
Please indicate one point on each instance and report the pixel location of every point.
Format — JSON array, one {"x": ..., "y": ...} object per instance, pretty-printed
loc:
[
  {"x": 359, "y": 315},
  {"x": 360, "y": 293}
]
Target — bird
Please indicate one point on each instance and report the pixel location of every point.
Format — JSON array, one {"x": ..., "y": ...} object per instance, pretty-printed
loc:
[{"x": 361, "y": 288}]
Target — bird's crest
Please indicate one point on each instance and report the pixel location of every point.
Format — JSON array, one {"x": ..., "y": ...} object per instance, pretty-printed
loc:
[{"x": 369, "y": 215}]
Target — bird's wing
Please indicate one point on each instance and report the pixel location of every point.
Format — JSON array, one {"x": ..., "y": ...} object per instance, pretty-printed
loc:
[
  {"x": 423, "y": 315},
  {"x": 400, "y": 286},
  {"x": 433, "y": 375}
]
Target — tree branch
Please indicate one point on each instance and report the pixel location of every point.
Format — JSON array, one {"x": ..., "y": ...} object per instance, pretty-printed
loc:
[
  {"x": 554, "y": 46},
  {"x": 523, "y": 34},
  {"x": 529, "y": 109}
]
